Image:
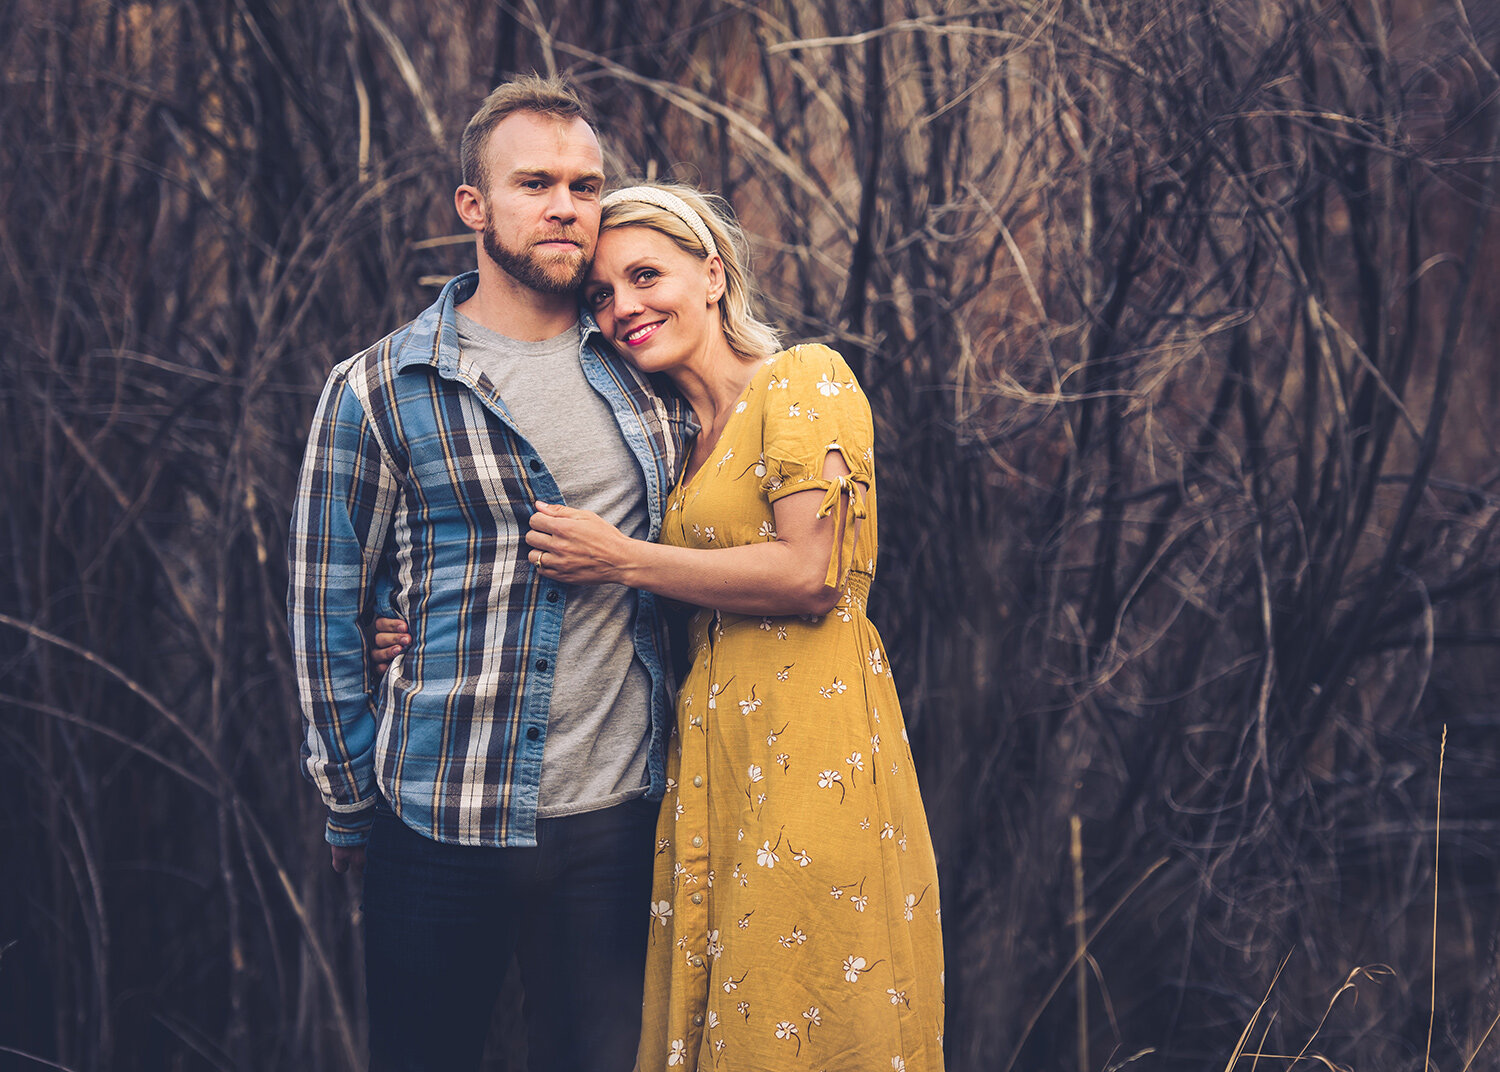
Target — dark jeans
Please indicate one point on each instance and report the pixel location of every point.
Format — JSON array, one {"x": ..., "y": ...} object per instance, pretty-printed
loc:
[{"x": 441, "y": 923}]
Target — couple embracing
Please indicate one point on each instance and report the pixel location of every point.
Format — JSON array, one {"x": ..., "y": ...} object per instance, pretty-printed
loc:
[{"x": 591, "y": 426}]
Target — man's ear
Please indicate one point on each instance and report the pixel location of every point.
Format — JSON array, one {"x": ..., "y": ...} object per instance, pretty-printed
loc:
[{"x": 469, "y": 203}]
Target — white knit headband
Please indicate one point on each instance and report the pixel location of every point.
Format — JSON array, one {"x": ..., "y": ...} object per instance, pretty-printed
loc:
[{"x": 665, "y": 199}]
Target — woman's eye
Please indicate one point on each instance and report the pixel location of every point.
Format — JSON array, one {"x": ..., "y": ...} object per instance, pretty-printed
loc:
[
  {"x": 598, "y": 299},
  {"x": 646, "y": 275}
]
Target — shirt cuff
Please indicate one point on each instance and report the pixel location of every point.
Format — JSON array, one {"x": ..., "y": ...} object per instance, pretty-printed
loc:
[{"x": 349, "y": 828}]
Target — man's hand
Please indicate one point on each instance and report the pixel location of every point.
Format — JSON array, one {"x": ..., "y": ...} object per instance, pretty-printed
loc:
[
  {"x": 390, "y": 640},
  {"x": 347, "y": 856}
]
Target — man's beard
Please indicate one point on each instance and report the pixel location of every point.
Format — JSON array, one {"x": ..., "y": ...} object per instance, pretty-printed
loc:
[{"x": 528, "y": 269}]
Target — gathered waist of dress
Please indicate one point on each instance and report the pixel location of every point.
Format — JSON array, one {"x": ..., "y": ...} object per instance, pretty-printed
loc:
[{"x": 856, "y": 593}]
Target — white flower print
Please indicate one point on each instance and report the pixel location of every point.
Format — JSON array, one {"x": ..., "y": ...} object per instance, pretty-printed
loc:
[
  {"x": 830, "y": 778},
  {"x": 731, "y": 984},
  {"x": 708, "y": 533},
  {"x": 785, "y": 1029},
  {"x": 779, "y": 383},
  {"x": 794, "y": 410},
  {"x": 812, "y": 414},
  {"x": 741, "y": 405},
  {"x": 678, "y": 1054},
  {"x": 765, "y": 623},
  {"x": 864, "y": 824},
  {"x": 743, "y": 923},
  {"x": 713, "y": 1020},
  {"x": 842, "y": 610},
  {"x": 898, "y": 1064},
  {"x": 662, "y": 845},
  {"x": 766, "y": 856},
  {"x": 836, "y": 688},
  {"x": 902, "y": 842},
  {"x": 755, "y": 774},
  {"x": 877, "y": 662},
  {"x": 774, "y": 734},
  {"x": 800, "y": 856},
  {"x": 715, "y": 950},
  {"x": 767, "y": 531},
  {"x": 728, "y": 454},
  {"x": 783, "y": 761},
  {"x": 750, "y": 706},
  {"x": 781, "y": 632},
  {"x": 678, "y": 809},
  {"x": 739, "y": 873},
  {"x": 836, "y": 892},
  {"x": 887, "y": 831},
  {"x": 785, "y": 941},
  {"x": 814, "y": 1017},
  {"x": 743, "y": 1008},
  {"x": 741, "y": 836},
  {"x": 760, "y": 470},
  {"x": 859, "y": 901},
  {"x": 875, "y": 745},
  {"x": 855, "y": 966},
  {"x": 785, "y": 672},
  {"x": 760, "y": 799},
  {"x": 828, "y": 387},
  {"x": 719, "y": 1045},
  {"x": 898, "y": 997},
  {"x": 660, "y": 910}
]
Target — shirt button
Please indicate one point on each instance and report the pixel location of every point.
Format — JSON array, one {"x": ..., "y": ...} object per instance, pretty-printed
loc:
[
  {"x": 697, "y": 781},
  {"x": 536, "y": 465},
  {"x": 552, "y": 597},
  {"x": 698, "y": 1021},
  {"x": 697, "y": 898},
  {"x": 697, "y": 841},
  {"x": 541, "y": 664},
  {"x": 697, "y": 962},
  {"x": 532, "y": 733}
]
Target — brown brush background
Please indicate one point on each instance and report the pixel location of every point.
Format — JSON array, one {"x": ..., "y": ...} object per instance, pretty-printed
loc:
[{"x": 1180, "y": 324}]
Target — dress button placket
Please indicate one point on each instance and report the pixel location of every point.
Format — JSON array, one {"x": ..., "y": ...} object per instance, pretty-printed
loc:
[{"x": 691, "y": 892}]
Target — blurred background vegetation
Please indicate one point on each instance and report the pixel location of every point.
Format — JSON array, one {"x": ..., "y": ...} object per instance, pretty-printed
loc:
[{"x": 1179, "y": 323}]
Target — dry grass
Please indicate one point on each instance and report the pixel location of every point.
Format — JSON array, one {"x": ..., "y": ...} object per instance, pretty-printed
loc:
[{"x": 1177, "y": 324}]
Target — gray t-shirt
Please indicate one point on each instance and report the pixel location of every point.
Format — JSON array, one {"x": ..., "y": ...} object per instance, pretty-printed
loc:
[{"x": 598, "y": 726}]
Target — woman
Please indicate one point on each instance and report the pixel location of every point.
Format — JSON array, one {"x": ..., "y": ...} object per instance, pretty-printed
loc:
[{"x": 794, "y": 917}]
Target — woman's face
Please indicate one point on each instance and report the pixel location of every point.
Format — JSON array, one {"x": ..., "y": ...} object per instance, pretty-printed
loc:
[{"x": 657, "y": 303}]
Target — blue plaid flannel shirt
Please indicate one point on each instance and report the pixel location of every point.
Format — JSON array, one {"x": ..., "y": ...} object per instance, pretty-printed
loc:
[{"x": 416, "y": 484}]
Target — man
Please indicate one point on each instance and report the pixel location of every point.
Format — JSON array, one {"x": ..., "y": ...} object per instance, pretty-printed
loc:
[{"x": 496, "y": 784}]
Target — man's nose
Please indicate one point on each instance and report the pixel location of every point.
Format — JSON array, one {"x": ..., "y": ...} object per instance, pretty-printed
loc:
[{"x": 561, "y": 206}]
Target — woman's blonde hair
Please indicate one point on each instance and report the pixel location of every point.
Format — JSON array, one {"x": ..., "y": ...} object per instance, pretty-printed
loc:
[{"x": 746, "y": 333}]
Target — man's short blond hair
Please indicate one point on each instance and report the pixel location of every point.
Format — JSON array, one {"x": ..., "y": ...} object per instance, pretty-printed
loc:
[{"x": 532, "y": 93}]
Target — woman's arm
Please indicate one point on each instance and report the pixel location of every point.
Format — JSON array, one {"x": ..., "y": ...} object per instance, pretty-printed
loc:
[{"x": 782, "y": 576}]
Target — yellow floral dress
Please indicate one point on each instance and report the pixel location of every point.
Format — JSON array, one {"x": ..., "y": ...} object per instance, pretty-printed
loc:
[{"x": 794, "y": 917}]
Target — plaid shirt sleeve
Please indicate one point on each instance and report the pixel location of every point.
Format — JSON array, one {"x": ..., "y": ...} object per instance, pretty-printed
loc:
[{"x": 345, "y": 498}]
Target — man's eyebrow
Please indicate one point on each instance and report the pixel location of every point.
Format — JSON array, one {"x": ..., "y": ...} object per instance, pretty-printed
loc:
[{"x": 523, "y": 173}]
